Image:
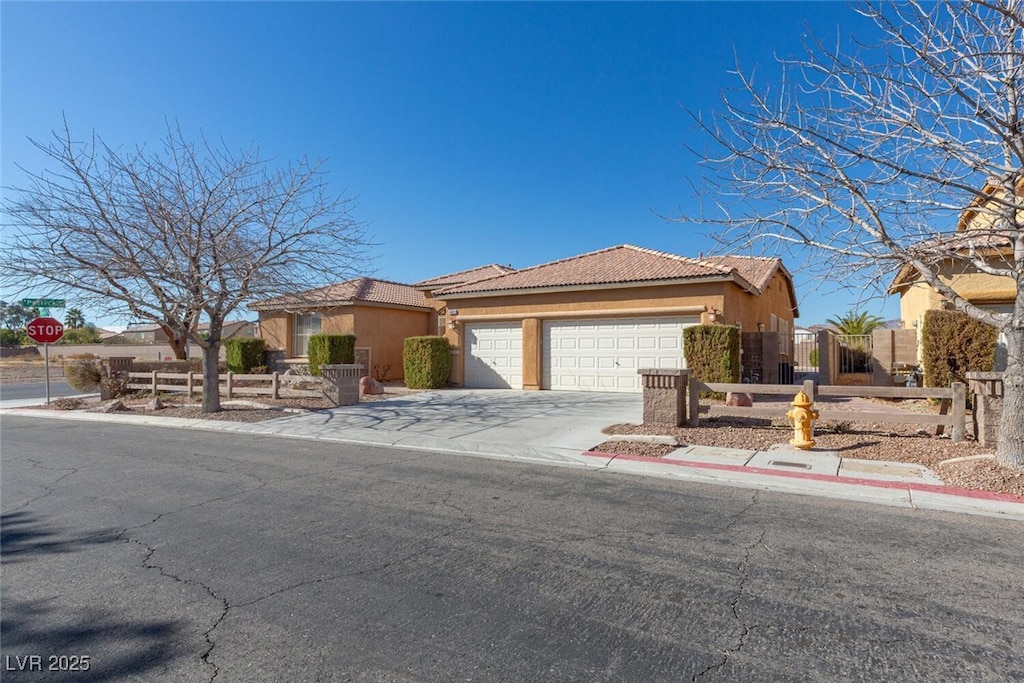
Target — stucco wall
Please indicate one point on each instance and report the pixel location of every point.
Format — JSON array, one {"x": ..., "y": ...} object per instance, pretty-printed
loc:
[
  {"x": 662, "y": 300},
  {"x": 978, "y": 288},
  {"x": 384, "y": 331}
]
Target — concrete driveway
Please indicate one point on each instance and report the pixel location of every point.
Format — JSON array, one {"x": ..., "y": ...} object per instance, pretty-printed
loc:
[{"x": 527, "y": 424}]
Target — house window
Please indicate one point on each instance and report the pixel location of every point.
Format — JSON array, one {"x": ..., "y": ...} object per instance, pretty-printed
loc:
[
  {"x": 441, "y": 324},
  {"x": 306, "y": 325}
]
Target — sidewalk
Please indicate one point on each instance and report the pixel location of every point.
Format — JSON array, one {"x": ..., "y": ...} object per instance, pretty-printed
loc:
[{"x": 558, "y": 429}]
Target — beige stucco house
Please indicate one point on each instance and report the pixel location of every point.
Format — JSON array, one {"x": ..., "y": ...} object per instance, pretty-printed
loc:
[
  {"x": 589, "y": 322},
  {"x": 948, "y": 255},
  {"x": 380, "y": 313}
]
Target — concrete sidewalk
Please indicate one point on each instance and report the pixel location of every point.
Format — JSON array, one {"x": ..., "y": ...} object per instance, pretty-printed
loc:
[{"x": 559, "y": 428}]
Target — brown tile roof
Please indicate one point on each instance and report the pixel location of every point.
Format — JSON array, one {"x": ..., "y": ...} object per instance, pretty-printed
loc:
[
  {"x": 623, "y": 264},
  {"x": 364, "y": 289},
  {"x": 463, "y": 276}
]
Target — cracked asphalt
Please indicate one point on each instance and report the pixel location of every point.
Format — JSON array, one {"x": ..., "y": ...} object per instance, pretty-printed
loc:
[{"x": 167, "y": 555}]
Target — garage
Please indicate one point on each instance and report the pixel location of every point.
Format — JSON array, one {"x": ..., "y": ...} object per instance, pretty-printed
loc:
[
  {"x": 494, "y": 358},
  {"x": 604, "y": 355}
]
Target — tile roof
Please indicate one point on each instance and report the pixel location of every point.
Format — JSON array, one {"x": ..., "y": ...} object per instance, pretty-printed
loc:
[
  {"x": 464, "y": 276},
  {"x": 365, "y": 289},
  {"x": 624, "y": 264}
]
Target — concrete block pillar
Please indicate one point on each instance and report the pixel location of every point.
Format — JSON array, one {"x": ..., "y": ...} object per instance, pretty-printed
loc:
[
  {"x": 988, "y": 405},
  {"x": 665, "y": 396},
  {"x": 341, "y": 383}
]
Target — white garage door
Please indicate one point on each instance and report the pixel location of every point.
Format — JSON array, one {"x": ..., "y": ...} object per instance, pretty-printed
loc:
[
  {"x": 495, "y": 356},
  {"x": 604, "y": 355}
]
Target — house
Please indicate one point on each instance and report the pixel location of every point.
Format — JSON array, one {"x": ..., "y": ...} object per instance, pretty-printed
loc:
[
  {"x": 951, "y": 256},
  {"x": 154, "y": 334},
  {"x": 380, "y": 313},
  {"x": 589, "y": 322}
]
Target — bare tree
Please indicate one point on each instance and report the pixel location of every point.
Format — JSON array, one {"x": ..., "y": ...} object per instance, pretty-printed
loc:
[
  {"x": 184, "y": 233},
  {"x": 867, "y": 154}
]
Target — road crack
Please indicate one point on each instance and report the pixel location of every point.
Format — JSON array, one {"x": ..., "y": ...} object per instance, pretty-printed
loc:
[{"x": 744, "y": 573}]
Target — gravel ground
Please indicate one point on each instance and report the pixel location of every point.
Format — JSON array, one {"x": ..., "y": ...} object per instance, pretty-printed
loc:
[{"x": 891, "y": 442}]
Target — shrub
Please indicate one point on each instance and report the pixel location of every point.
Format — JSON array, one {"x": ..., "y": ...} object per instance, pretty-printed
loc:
[
  {"x": 713, "y": 354},
  {"x": 244, "y": 353},
  {"x": 67, "y": 403},
  {"x": 426, "y": 362},
  {"x": 81, "y": 335},
  {"x": 812, "y": 357},
  {"x": 953, "y": 344},
  {"x": 330, "y": 349},
  {"x": 84, "y": 375},
  {"x": 14, "y": 338}
]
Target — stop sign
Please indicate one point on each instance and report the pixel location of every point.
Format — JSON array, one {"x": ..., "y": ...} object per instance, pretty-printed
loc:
[{"x": 44, "y": 330}]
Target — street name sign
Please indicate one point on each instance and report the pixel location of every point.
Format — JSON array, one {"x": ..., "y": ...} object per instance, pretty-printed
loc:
[{"x": 42, "y": 303}]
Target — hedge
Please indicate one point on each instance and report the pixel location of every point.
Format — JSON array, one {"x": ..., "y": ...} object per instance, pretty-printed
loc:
[
  {"x": 330, "y": 349},
  {"x": 426, "y": 362},
  {"x": 713, "y": 354},
  {"x": 244, "y": 353},
  {"x": 953, "y": 344}
]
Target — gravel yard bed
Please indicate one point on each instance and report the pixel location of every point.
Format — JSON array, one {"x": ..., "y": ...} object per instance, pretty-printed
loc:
[{"x": 889, "y": 442}]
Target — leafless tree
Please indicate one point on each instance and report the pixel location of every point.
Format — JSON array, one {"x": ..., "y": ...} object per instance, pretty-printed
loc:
[
  {"x": 184, "y": 233},
  {"x": 866, "y": 154}
]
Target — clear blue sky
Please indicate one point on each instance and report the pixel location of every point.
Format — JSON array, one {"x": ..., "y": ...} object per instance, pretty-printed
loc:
[{"x": 471, "y": 133}]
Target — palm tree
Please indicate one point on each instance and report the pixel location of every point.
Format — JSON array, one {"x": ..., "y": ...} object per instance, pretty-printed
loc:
[
  {"x": 856, "y": 323},
  {"x": 74, "y": 319}
]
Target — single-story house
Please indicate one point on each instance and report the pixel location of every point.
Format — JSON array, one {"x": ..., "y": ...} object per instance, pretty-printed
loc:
[
  {"x": 380, "y": 313},
  {"x": 589, "y": 322}
]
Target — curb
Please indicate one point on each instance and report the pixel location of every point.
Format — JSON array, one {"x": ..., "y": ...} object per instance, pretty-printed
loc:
[{"x": 830, "y": 478}]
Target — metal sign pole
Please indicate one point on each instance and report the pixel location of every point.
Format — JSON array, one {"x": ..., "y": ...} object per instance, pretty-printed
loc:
[{"x": 46, "y": 357}]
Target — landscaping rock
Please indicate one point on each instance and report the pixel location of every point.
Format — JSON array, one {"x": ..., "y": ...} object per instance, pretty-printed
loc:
[
  {"x": 368, "y": 386},
  {"x": 155, "y": 404},
  {"x": 112, "y": 407},
  {"x": 739, "y": 400}
]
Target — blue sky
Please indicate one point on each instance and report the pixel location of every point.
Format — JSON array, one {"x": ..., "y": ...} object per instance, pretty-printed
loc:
[{"x": 471, "y": 133}]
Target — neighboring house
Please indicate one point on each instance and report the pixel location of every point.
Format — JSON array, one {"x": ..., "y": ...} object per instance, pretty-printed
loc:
[
  {"x": 380, "y": 313},
  {"x": 154, "y": 334},
  {"x": 948, "y": 255},
  {"x": 589, "y": 322}
]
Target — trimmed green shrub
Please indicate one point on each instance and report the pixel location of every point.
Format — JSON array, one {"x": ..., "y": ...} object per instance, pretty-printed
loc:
[
  {"x": 244, "y": 353},
  {"x": 81, "y": 335},
  {"x": 713, "y": 354},
  {"x": 330, "y": 349},
  {"x": 953, "y": 344},
  {"x": 426, "y": 362}
]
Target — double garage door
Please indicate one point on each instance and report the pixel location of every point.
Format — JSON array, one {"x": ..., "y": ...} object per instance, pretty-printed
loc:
[{"x": 577, "y": 355}]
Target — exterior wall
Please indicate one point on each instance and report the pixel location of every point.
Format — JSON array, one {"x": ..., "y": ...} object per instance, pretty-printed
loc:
[
  {"x": 276, "y": 330},
  {"x": 667, "y": 300},
  {"x": 747, "y": 310},
  {"x": 978, "y": 288},
  {"x": 384, "y": 330}
]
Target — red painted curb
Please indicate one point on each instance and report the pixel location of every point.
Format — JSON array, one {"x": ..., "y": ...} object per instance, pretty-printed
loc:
[{"x": 855, "y": 481}]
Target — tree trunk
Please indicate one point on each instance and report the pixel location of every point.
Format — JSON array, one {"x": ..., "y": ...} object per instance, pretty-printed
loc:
[
  {"x": 178, "y": 343},
  {"x": 211, "y": 378},
  {"x": 1011, "y": 426}
]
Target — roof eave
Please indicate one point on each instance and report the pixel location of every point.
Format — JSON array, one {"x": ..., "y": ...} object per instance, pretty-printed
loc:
[{"x": 592, "y": 287}]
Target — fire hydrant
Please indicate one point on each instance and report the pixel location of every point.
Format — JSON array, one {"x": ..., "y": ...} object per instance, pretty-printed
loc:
[{"x": 802, "y": 416}]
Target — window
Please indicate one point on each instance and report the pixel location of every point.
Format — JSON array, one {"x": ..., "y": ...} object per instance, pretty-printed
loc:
[
  {"x": 441, "y": 324},
  {"x": 306, "y": 325}
]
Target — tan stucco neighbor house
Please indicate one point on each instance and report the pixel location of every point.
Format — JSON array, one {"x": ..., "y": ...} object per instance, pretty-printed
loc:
[
  {"x": 973, "y": 235},
  {"x": 589, "y": 322},
  {"x": 380, "y": 313}
]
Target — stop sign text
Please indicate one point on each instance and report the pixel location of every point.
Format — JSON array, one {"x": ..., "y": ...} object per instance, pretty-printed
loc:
[{"x": 45, "y": 330}]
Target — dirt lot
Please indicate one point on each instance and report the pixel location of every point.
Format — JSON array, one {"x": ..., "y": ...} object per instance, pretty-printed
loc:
[{"x": 890, "y": 442}]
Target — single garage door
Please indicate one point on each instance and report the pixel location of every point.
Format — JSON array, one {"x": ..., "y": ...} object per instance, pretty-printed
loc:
[
  {"x": 494, "y": 358},
  {"x": 604, "y": 355}
]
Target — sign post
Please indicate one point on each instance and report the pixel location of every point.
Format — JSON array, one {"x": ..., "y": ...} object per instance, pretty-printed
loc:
[{"x": 45, "y": 331}]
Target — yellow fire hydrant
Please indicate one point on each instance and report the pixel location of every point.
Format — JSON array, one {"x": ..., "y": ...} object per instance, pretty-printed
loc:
[{"x": 802, "y": 416}]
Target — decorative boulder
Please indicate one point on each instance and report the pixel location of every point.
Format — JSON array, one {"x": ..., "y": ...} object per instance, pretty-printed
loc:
[
  {"x": 155, "y": 404},
  {"x": 112, "y": 407},
  {"x": 368, "y": 386},
  {"x": 739, "y": 400}
]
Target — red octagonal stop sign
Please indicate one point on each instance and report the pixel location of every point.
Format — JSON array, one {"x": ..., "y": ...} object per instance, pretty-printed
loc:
[{"x": 44, "y": 330}]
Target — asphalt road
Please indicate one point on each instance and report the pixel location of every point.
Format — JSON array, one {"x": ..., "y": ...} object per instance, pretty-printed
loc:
[
  {"x": 165, "y": 555},
  {"x": 36, "y": 390}
]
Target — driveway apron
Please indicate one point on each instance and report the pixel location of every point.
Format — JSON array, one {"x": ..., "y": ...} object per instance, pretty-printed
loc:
[{"x": 502, "y": 422}]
